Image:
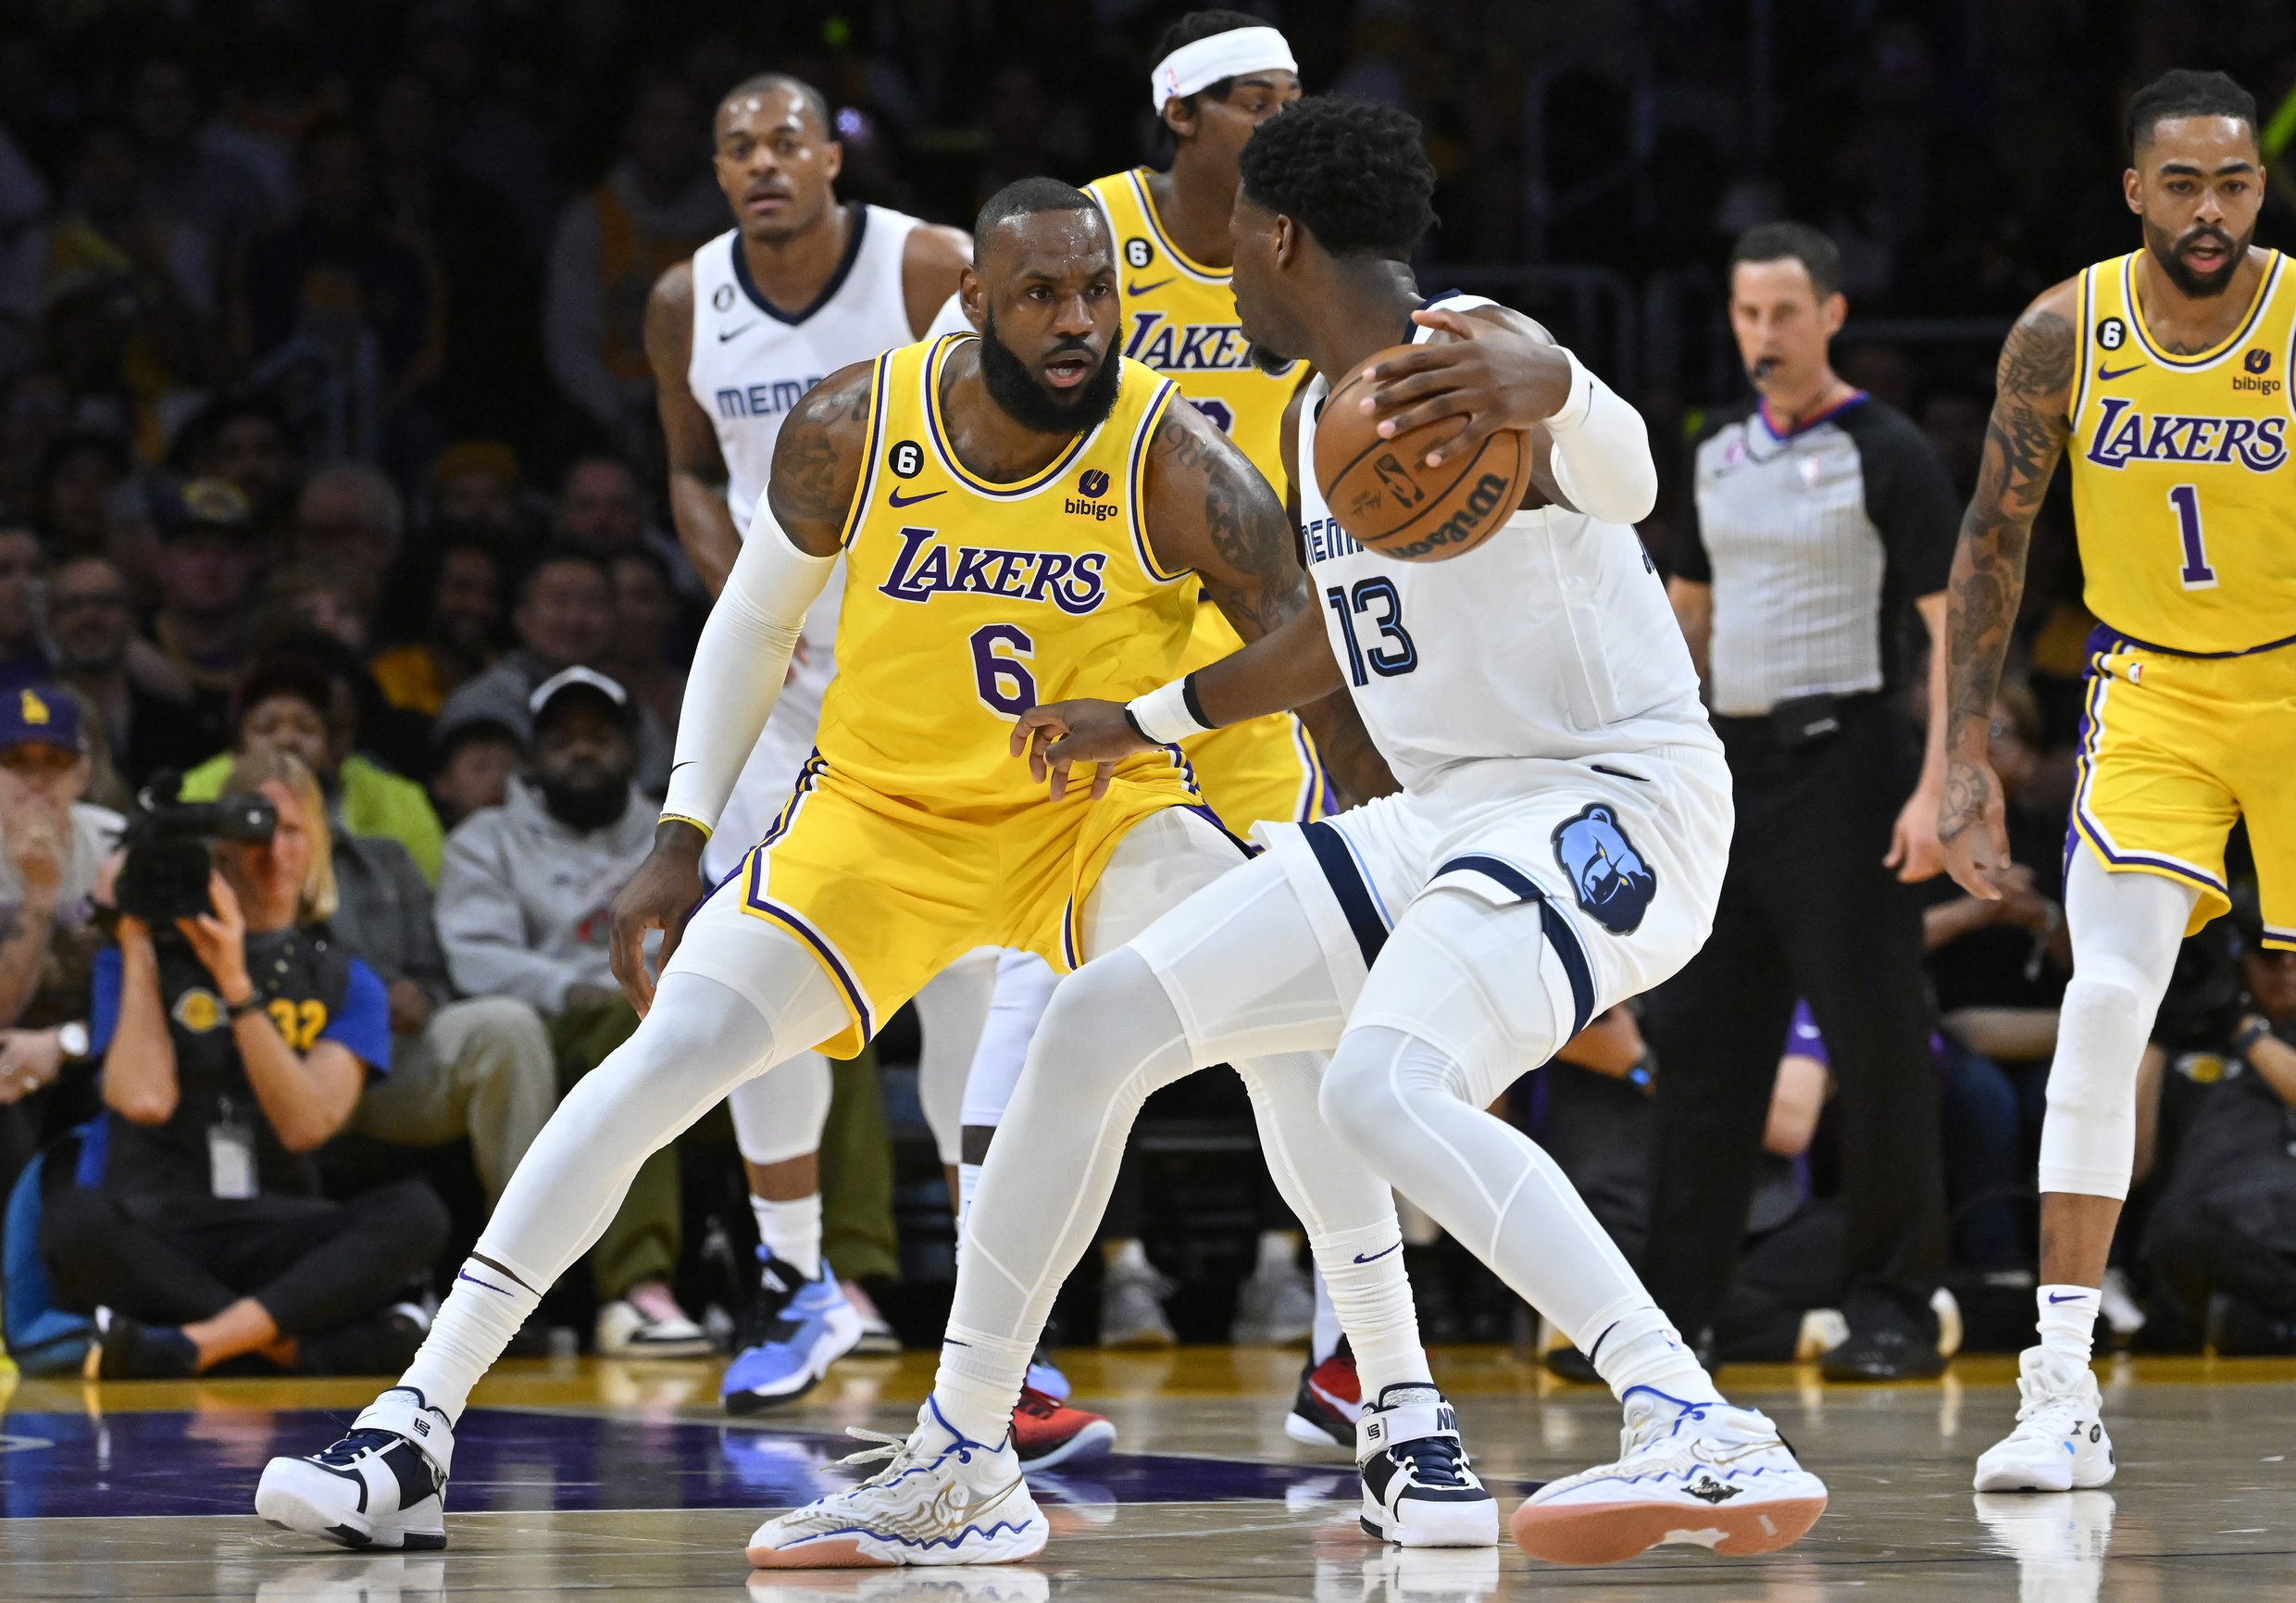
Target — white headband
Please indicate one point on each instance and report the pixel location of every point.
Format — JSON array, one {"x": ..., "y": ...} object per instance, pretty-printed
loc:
[{"x": 1228, "y": 55}]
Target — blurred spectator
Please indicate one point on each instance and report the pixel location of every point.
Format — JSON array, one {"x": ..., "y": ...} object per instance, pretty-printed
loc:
[
  {"x": 146, "y": 726},
  {"x": 485, "y": 137},
  {"x": 475, "y": 486},
  {"x": 659, "y": 203},
  {"x": 35, "y": 412},
  {"x": 205, "y": 569},
  {"x": 189, "y": 175},
  {"x": 472, "y": 767},
  {"x": 297, "y": 700},
  {"x": 349, "y": 515},
  {"x": 343, "y": 278},
  {"x": 601, "y": 510},
  {"x": 233, "y": 1045},
  {"x": 459, "y": 628},
  {"x": 244, "y": 441},
  {"x": 564, "y": 618},
  {"x": 2222, "y": 1239},
  {"x": 21, "y": 660},
  {"x": 523, "y": 911},
  {"x": 332, "y": 597},
  {"x": 79, "y": 475},
  {"x": 644, "y": 613}
]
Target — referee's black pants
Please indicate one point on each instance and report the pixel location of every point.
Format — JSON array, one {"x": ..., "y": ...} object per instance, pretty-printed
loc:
[{"x": 1806, "y": 911}]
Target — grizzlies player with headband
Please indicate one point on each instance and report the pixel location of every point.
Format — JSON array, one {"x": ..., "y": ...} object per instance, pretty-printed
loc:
[
  {"x": 2165, "y": 375},
  {"x": 941, "y": 474},
  {"x": 800, "y": 287},
  {"x": 1558, "y": 845}
]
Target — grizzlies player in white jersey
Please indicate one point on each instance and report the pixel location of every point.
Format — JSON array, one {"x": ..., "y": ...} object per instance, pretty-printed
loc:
[
  {"x": 799, "y": 287},
  {"x": 1558, "y": 846}
]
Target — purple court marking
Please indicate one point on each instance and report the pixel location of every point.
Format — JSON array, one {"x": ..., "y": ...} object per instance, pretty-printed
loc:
[{"x": 129, "y": 1465}]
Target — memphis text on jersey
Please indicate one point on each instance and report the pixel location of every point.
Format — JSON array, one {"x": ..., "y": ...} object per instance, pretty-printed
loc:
[
  {"x": 2125, "y": 435},
  {"x": 925, "y": 568},
  {"x": 763, "y": 400}
]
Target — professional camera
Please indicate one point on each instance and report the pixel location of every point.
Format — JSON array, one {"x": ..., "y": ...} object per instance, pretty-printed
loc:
[{"x": 165, "y": 876}]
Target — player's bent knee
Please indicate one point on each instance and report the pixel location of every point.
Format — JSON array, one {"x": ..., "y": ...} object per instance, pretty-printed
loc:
[
  {"x": 1364, "y": 1099},
  {"x": 1110, "y": 1024}
]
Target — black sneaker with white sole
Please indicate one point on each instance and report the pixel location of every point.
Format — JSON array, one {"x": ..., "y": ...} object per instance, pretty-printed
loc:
[
  {"x": 1418, "y": 1488},
  {"x": 381, "y": 1486}
]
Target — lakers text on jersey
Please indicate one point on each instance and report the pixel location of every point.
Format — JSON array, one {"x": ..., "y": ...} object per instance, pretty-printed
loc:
[
  {"x": 914, "y": 835},
  {"x": 2184, "y": 505},
  {"x": 1179, "y": 319}
]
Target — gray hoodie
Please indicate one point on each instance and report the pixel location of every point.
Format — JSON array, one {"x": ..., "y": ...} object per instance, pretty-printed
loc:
[{"x": 524, "y": 899}]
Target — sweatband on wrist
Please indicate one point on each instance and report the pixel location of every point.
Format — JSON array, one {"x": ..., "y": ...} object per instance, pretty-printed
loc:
[
  {"x": 1204, "y": 63},
  {"x": 1166, "y": 714}
]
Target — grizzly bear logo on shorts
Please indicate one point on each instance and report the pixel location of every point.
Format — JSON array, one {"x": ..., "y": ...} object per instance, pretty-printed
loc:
[{"x": 1614, "y": 884}]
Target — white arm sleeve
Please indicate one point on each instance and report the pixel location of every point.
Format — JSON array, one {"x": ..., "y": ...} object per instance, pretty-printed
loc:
[
  {"x": 738, "y": 665},
  {"x": 1602, "y": 452}
]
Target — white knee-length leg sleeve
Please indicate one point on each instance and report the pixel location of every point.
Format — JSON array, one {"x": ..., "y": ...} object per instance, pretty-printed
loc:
[
  {"x": 779, "y": 1116},
  {"x": 2126, "y": 930},
  {"x": 1414, "y": 1111},
  {"x": 952, "y": 1010},
  {"x": 699, "y": 1040},
  {"x": 1024, "y": 989}
]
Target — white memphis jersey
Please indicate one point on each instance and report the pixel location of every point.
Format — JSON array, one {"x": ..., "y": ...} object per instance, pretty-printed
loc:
[
  {"x": 751, "y": 363},
  {"x": 1552, "y": 639}
]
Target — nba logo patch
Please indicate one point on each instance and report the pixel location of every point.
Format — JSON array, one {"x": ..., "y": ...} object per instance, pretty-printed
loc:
[{"x": 1613, "y": 884}]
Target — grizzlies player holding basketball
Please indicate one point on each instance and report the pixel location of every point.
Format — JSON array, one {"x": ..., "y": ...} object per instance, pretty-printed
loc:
[
  {"x": 800, "y": 287},
  {"x": 1558, "y": 845},
  {"x": 2165, "y": 375},
  {"x": 940, "y": 473}
]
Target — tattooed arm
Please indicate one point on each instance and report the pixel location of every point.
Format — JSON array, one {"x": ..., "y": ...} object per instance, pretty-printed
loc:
[
  {"x": 1207, "y": 509},
  {"x": 2027, "y": 436}
]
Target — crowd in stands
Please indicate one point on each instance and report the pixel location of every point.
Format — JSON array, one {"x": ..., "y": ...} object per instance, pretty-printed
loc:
[{"x": 329, "y": 480}]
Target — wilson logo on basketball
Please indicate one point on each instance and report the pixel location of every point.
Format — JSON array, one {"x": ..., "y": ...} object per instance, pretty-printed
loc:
[{"x": 1463, "y": 527}]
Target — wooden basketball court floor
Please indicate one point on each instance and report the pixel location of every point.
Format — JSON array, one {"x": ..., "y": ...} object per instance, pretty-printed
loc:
[{"x": 623, "y": 1482}]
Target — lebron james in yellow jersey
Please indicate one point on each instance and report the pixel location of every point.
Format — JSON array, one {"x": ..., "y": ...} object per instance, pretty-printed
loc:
[
  {"x": 2164, "y": 375},
  {"x": 1022, "y": 514}
]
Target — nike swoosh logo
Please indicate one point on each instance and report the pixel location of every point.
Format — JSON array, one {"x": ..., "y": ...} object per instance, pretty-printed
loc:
[
  {"x": 2054, "y": 1297},
  {"x": 1378, "y": 1255},
  {"x": 2105, "y": 373},
  {"x": 474, "y": 1279},
  {"x": 898, "y": 499},
  {"x": 724, "y": 334},
  {"x": 1144, "y": 289}
]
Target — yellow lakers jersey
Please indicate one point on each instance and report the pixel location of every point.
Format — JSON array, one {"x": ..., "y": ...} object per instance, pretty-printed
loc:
[
  {"x": 2183, "y": 499},
  {"x": 969, "y": 601},
  {"x": 1179, "y": 317}
]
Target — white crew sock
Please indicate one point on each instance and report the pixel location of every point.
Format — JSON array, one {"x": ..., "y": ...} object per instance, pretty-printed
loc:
[
  {"x": 1642, "y": 1348},
  {"x": 483, "y": 1310},
  {"x": 2068, "y": 1319},
  {"x": 791, "y": 1232},
  {"x": 1363, "y": 1270},
  {"x": 980, "y": 1380}
]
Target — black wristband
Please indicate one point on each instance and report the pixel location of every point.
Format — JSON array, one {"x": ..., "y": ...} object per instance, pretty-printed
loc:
[
  {"x": 1135, "y": 723},
  {"x": 1195, "y": 708},
  {"x": 2245, "y": 1042},
  {"x": 252, "y": 1003}
]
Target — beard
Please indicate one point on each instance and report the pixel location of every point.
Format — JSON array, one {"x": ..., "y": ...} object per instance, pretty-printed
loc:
[
  {"x": 2170, "y": 254},
  {"x": 585, "y": 796},
  {"x": 1021, "y": 396}
]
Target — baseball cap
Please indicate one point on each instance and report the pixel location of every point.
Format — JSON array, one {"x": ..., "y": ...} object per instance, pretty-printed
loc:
[
  {"x": 569, "y": 685},
  {"x": 206, "y": 506},
  {"x": 40, "y": 714}
]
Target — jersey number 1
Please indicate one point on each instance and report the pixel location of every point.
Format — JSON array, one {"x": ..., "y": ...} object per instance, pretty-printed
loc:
[{"x": 2196, "y": 573}]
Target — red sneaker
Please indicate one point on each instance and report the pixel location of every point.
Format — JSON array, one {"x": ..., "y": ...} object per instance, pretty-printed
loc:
[
  {"x": 1330, "y": 1399},
  {"x": 1047, "y": 1432}
]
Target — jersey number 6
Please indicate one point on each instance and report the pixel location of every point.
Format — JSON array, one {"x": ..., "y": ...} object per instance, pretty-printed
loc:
[{"x": 1005, "y": 686}]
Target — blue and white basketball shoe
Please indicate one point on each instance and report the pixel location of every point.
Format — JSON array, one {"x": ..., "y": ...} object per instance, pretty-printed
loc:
[
  {"x": 383, "y": 1485},
  {"x": 1704, "y": 1474},
  {"x": 2059, "y": 1445},
  {"x": 1418, "y": 1489},
  {"x": 942, "y": 1500},
  {"x": 802, "y": 1327}
]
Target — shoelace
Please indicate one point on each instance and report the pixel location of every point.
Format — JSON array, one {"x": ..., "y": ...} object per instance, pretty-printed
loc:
[
  {"x": 1433, "y": 1461},
  {"x": 358, "y": 1442},
  {"x": 894, "y": 1450}
]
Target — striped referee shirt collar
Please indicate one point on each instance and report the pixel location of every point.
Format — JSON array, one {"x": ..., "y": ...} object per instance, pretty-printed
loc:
[{"x": 1762, "y": 412}]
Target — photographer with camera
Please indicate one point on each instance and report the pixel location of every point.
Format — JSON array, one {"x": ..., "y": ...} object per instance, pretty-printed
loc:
[
  {"x": 236, "y": 1035},
  {"x": 51, "y": 850}
]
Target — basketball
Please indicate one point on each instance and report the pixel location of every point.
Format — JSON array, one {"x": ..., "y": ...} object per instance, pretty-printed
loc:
[{"x": 1389, "y": 499}]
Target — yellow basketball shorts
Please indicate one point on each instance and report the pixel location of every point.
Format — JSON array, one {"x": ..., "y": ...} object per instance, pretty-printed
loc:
[
  {"x": 886, "y": 893},
  {"x": 1261, "y": 770},
  {"x": 2173, "y": 749}
]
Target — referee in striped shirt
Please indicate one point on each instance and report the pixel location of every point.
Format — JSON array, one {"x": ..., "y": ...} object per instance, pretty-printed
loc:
[{"x": 1821, "y": 514}]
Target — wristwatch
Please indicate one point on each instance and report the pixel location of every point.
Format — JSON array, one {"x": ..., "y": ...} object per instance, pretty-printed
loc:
[{"x": 72, "y": 1040}]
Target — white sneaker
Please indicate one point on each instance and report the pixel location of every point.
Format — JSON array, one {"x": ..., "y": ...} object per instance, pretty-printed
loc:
[
  {"x": 2059, "y": 1445},
  {"x": 942, "y": 1500},
  {"x": 383, "y": 1485},
  {"x": 1705, "y": 1473},
  {"x": 1418, "y": 1489},
  {"x": 1131, "y": 1307},
  {"x": 626, "y": 1331}
]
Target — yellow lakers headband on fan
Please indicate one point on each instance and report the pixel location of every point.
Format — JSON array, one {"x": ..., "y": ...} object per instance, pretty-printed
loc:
[{"x": 1228, "y": 55}]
